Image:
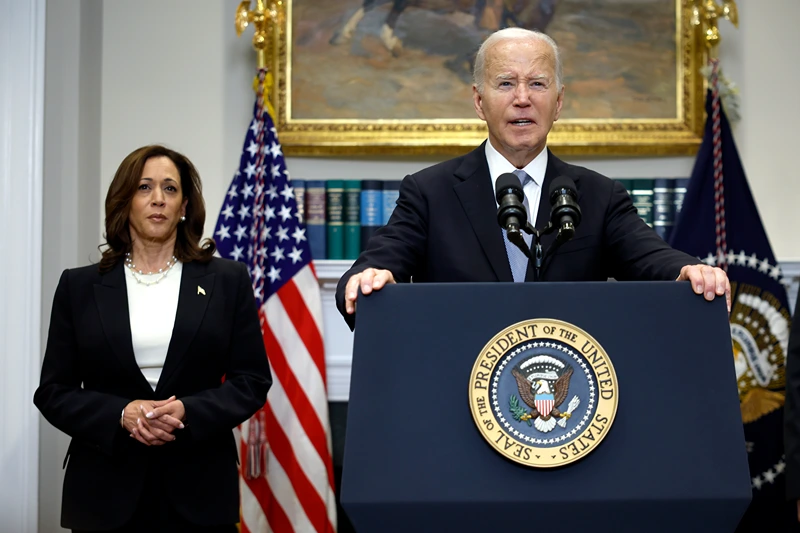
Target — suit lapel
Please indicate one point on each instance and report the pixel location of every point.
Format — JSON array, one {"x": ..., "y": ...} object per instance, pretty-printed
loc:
[
  {"x": 196, "y": 290},
  {"x": 477, "y": 198},
  {"x": 111, "y": 297}
]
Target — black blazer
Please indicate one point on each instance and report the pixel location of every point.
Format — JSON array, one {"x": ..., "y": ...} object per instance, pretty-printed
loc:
[
  {"x": 444, "y": 229},
  {"x": 216, "y": 334}
]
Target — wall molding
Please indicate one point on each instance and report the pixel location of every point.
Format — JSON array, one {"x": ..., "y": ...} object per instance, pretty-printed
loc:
[
  {"x": 22, "y": 38},
  {"x": 339, "y": 339}
]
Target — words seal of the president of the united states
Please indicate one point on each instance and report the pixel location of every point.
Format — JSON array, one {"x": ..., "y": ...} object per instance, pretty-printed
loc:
[{"x": 543, "y": 393}]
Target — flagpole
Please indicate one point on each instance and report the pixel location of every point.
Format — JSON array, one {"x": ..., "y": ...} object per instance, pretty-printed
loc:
[
  {"x": 267, "y": 21},
  {"x": 705, "y": 15},
  {"x": 286, "y": 477}
]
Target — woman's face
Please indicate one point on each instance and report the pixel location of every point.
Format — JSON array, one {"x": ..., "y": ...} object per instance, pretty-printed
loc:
[{"x": 158, "y": 204}]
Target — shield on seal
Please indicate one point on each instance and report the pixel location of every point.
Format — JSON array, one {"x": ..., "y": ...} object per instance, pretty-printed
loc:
[{"x": 544, "y": 404}]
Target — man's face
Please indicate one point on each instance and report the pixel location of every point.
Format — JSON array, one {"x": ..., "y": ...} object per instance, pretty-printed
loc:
[{"x": 520, "y": 99}]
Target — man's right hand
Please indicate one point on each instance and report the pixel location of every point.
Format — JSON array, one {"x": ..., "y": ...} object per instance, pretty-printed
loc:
[{"x": 371, "y": 279}]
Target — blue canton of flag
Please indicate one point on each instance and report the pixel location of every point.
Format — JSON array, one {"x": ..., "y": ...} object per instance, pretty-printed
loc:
[
  {"x": 260, "y": 223},
  {"x": 719, "y": 223}
]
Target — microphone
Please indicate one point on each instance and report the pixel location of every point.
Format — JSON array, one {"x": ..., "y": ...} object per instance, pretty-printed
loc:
[
  {"x": 565, "y": 213},
  {"x": 511, "y": 213}
]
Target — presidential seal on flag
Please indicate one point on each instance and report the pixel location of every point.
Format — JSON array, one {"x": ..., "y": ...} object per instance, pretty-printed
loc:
[
  {"x": 543, "y": 393},
  {"x": 759, "y": 337}
]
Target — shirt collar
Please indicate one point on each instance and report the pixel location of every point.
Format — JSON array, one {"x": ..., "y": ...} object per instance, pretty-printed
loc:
[{"x": 500, "y": 165}]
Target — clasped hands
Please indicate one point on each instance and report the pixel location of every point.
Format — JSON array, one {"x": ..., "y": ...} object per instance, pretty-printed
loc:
[{"x": 152, "y": 423}]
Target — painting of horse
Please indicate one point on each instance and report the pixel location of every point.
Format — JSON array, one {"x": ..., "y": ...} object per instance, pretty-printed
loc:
[{"x": 411, "y": 60}]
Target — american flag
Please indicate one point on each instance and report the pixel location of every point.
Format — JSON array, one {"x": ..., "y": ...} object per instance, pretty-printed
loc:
[{"x": 286, "y": 473}]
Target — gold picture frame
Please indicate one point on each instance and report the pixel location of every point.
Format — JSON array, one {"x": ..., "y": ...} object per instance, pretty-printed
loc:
[{"x": 679, "y": 134}]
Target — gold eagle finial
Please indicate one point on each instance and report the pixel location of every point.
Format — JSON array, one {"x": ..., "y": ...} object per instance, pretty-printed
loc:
[
  {"x": 267, "y": 15},
  {"x": 705, "y": 14}
]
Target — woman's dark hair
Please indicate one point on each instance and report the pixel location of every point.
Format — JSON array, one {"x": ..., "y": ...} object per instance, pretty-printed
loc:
[{"x": 118, "y": 206}]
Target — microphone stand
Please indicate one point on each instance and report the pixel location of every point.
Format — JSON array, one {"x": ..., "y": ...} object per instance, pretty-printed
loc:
[{"x": 536, "y": 245}]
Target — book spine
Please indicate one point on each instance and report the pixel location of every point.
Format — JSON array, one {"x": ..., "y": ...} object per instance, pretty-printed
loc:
[
  {"x": 299, "y": 187},
  {"x": 352, "y": 219},
  {"x": 663, "y": 207},
  {"x": 315, "y": 218},
  {"x": 391, "y": 192},
  {"x": 371, "y": 209},
  {"x": 642, "y": 196},
  {"x": 679, "y": 191},
  {"x": 334, "y": 190}
]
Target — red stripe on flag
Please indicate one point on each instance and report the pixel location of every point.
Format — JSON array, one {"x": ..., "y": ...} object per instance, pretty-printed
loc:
[
  {"x": 307, "y": 495},
  {"x": 276, "y": 516},
  {"x": 297, "y": 397},
  {"x": 305, "y": 325}
]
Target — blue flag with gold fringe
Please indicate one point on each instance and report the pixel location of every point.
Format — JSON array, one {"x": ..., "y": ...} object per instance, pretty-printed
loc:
[{"x": 719, "y": 223}]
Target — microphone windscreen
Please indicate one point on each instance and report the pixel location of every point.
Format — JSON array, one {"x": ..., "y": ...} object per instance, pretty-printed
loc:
[
  {"x": 562, "y": 183},
  {"x": 506, "y": 183}
]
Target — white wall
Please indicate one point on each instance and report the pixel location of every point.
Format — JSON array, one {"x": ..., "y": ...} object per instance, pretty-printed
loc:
[
  {"x": 72, "y": 194},
  {"x": 164, "y": 69},
  {"x": 22, "y": 41}
]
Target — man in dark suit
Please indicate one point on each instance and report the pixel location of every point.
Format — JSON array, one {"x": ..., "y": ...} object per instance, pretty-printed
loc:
[{"x": 444, "y": 228}]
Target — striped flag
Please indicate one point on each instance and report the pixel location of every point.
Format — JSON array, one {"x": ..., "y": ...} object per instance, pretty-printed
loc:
[{"x": 286, "y": 473}]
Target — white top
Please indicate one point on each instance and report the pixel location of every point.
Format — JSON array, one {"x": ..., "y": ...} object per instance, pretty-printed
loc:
[
  {"x": 499, "y": 165},
  {"x": 152, "y": 310}
]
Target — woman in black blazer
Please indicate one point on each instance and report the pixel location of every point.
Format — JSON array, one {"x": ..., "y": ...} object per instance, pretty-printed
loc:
[{"x": 153, "y": 357}]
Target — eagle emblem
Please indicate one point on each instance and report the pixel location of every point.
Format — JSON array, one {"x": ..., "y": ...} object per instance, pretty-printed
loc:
[
  {"x": 536, "y": 396},
  {"x": 543, "y": 383}
]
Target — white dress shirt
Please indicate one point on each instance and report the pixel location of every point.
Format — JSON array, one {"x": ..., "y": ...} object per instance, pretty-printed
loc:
[{"x": 535, "y": 169}]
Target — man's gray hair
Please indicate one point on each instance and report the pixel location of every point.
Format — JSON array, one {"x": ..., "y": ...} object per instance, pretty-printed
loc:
[{"x": 506, "y": 34}]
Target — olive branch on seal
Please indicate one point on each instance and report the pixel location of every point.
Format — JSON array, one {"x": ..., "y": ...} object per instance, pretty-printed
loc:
[{"x": 518, "y": 412}]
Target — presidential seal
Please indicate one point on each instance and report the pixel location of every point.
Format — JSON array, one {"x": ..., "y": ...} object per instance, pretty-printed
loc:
[
  {"x": 760, "y": 322},
  {"x": 543, "y": 393}
]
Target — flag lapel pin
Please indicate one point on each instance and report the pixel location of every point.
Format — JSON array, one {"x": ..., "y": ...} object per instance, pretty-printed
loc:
[{"x": 201, "y": 290}]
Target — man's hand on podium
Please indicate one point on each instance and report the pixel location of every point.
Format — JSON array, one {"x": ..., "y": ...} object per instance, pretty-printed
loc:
[
  {"x": 371, "y": 279},
  {"x": 708, "y": 281}
]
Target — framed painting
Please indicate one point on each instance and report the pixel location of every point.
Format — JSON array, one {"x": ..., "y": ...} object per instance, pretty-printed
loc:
[{"x": 363, "y": 77}]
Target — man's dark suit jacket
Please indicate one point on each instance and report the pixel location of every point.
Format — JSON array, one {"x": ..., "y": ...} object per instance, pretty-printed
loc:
[
  {"x": 444, "y": 229},
  {"x": 215, "y": 334}
]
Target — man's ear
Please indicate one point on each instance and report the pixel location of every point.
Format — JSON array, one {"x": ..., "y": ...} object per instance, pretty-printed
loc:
[
  {"x": 559, "y": 103},
  {"x": 477, "y": 101}
]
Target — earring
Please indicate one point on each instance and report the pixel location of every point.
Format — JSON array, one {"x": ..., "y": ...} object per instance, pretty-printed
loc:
[{"x": 183, "y": 219}]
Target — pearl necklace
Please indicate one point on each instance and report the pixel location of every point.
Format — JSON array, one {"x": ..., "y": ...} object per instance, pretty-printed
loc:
[{"x": 163, "y": 271}]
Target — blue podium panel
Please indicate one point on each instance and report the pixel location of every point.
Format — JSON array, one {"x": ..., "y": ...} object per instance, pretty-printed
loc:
[{"x": 674, "y": 459}]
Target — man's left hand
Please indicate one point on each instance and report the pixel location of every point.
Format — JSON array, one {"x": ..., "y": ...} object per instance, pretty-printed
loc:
[{"x": 708, "y": 281}]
